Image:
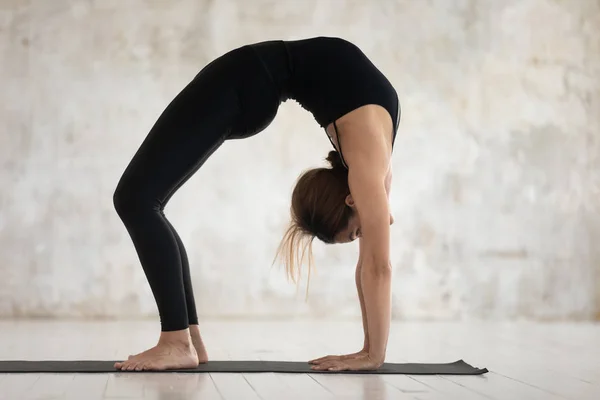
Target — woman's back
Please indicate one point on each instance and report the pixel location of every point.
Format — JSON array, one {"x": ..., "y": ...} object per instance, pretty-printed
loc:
[{"x": 329, "y": 77}]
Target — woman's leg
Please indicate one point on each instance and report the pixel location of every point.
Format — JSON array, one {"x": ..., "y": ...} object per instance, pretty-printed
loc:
[
  {"x": 192, "y": 314},
  {"x": 197, "y": 341},
  {"x": 190, "y": 302},
  {"x": 192, "y": 127}
]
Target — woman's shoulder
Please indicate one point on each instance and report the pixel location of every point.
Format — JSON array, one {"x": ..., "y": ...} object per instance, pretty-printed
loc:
[{"x": 370, "y": 122}]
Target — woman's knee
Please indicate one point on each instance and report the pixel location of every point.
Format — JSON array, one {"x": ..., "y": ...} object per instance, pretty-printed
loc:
[
  {"x": 121, "y": 200},
  {"x": 128, "y": 200}
]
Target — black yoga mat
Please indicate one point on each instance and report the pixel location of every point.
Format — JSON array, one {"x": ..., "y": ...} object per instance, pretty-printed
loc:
[{"x": 455, "y": 368}]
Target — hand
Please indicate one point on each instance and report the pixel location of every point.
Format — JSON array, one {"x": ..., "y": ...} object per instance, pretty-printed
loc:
[
  {"x": 343, "y": 357},
  {"x": 361, "y": 363}
]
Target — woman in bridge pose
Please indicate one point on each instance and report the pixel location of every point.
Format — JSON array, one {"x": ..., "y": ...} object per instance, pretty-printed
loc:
[{"x": 237, "y": 96}]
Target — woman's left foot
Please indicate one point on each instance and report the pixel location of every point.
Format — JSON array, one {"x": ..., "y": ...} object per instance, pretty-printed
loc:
[
  {"x": 173, "y": 351},
  {"x": 196, "y": 342}
]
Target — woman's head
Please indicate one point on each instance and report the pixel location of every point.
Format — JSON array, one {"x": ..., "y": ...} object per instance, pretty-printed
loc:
[{"x": 322, "y": 207}]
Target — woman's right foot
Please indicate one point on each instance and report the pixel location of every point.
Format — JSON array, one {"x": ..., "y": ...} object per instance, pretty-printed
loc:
[{"x": 198, "y": 344}]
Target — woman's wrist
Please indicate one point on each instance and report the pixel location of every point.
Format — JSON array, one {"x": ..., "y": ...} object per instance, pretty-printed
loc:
[{"x": 378, "y": 359}]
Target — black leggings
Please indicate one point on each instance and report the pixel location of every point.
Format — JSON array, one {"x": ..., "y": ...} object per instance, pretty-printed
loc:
[{"x": 232, "y": 97}]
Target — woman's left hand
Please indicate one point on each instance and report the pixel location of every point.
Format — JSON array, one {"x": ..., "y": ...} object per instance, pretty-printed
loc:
[
  {"x": 355, "y": 364},
  {"x": 344, "y": 357}
]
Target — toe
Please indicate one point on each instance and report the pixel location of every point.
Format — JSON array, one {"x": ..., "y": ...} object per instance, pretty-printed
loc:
[{"x": 148, "y": 366}]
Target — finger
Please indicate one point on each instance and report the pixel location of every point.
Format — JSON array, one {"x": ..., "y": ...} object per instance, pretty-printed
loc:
[
  {"x": 322, "y": 369},
  {"x": 327, "y": 364},
  {"x": 323, "y": 359},
  {"x": 337, "y": 366},
  {"x": 322, "y": 366}
]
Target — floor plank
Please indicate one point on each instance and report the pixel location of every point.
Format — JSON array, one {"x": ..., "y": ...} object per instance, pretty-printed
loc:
[
  {"x": 125, "y": 385},
  {"x": 87, "y": 386},
  {"x": 179, "y": 386},
  {"x": 304, "y": 386},
  {"x": 14, "y": 386},
  {"x": 360, "y": 386},
  {"x": 234, "y": 386},
  {"x": 49, "y": 386},
  {"x": 499, "y": 387}
]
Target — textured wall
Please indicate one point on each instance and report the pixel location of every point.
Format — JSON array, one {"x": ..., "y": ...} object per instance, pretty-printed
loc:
[{"x": 497, "y": 163}]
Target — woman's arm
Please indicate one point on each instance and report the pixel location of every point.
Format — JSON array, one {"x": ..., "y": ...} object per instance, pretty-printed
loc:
[
  {"x": 368, "y": 191},
  {"x": 363, "y": 311},
  {"x": 357, "y": 277},
  {"x": 367, "y": 151},
  {"x": 361, "y": 298}
]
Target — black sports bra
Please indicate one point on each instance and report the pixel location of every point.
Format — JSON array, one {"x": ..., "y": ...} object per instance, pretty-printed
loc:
[{"x": 339, "y": 148}]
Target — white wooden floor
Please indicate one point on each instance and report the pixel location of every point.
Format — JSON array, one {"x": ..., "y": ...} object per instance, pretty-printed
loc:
[{"x": 527, "y": 361}]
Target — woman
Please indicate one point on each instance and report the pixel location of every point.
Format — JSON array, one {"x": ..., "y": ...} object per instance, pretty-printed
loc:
[{"x": 234, "y": 97}]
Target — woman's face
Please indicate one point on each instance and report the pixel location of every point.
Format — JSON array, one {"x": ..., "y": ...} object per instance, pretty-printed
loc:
[{"x": 352, "y": 231}]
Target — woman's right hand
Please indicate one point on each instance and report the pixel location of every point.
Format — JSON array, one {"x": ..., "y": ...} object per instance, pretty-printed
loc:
[{"x": 343, "y": 357}]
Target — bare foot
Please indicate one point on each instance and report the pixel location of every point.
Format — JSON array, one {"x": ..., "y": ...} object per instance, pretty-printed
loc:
[
  {"x": 173, "y": 351},
  {"x": 198, "y": 344}
]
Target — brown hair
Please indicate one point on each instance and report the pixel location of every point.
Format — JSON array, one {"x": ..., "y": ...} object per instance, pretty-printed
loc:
[{"x": 318, "y": 210}]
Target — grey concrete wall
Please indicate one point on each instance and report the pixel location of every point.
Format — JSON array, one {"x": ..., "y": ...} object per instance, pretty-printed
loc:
[{"x": 497, "y": 162}]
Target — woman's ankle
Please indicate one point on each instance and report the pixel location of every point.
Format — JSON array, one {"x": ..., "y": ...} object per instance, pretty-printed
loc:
[{"x": 180, "y": 337}]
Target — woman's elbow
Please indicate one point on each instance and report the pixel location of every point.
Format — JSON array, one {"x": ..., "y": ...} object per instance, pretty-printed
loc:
[{"x": 378, "y": 271}]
